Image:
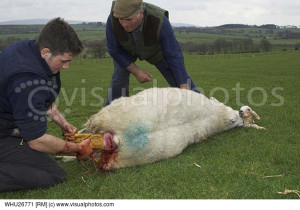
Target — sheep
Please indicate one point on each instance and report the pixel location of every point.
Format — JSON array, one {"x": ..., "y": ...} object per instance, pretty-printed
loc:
[
  {"x": 246, "y": 114},
  {"x": 156, "y": 124}
]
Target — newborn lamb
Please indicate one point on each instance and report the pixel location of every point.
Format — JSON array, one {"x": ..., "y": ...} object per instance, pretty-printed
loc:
[
  {"x": 246, "y": 114},
  {"x": 156, "y": 124}
]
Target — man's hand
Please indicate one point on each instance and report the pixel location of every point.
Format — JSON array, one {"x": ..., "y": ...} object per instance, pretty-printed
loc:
[
  {"x": 68, "y": 130},
  {"x": 59, "y": 119},
  {"x": 185, "y": 86},
  {"x": 85, "y": 150},
  {"x": 141, "y": 75}
]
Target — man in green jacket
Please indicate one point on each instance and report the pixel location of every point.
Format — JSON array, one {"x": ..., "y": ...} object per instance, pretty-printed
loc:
[{"x": 141, "y": 30}]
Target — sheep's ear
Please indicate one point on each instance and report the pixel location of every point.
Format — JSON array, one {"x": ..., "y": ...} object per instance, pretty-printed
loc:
[{"x": 256, "y": 115}]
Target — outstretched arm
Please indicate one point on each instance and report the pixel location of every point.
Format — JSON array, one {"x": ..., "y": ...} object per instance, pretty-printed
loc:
[{"x": 53, "y": 145}]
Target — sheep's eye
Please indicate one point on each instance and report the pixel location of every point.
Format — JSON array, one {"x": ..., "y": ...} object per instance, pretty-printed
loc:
[
  {"x": 232, "y": 121},
  {"x": 248, "y": 110}
]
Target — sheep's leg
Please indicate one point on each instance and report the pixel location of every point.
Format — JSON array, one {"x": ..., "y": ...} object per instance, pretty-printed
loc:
[
  {"x": 257, "y": 127},
  {"x": 254, "y": 126}
]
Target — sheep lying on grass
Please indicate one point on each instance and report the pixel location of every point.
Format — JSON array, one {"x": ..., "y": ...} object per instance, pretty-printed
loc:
[{"x": 156, "y": 124}]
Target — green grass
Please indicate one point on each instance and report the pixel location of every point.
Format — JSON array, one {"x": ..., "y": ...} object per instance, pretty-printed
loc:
[
  {"x": 233, "y": 164},
  {"x": 204, "y": 38},
  {"x": 91, "y": 35}
]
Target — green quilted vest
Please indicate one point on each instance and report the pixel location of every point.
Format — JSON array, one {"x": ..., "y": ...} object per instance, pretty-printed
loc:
[{"x": 149, "y": 48}]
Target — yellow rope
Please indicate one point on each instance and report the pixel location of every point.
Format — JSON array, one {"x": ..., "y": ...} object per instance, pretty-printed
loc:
[{"x": 96, "y": 139}]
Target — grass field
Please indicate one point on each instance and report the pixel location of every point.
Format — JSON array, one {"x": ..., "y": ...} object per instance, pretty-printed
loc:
[{"x": 238, "y": 164}]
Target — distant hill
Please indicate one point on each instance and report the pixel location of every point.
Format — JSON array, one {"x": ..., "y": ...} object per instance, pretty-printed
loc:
[
  {"x": 35, "y": 22},
  {"x": 44, "y": 21},
  {"x": 228, "y": 38},
  {"x": 183, "y": 25}
]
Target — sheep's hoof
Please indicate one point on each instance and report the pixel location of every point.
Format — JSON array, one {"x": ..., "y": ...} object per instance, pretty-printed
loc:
[{"x": 261, "y": 128}]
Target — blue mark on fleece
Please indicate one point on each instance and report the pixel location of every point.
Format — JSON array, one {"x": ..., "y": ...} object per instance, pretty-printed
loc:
[{"x": 136, "y": 137}]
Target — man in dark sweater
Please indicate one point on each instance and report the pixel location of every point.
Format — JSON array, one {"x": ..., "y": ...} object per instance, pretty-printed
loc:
[
  {"x": 141, "y": 30},
  {"x": 29, "y": 84}
]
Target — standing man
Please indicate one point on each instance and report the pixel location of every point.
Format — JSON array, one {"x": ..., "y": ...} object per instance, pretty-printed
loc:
[
  {"x": 141, "y": 30},
  {"x": 29, "y": 84}
]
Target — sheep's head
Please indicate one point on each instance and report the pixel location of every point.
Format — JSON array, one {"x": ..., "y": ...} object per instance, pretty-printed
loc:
[{"x": 247, "y": 112}]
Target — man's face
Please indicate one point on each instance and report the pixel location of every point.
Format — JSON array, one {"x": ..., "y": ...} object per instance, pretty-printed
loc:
[
  {"x": 57, "y": 62},
  {"x": 132, "y": 22}
]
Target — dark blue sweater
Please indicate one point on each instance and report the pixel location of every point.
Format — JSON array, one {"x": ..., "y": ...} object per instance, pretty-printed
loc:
[
  {"x": 169, "y": 46},
  {"x": 27, "y": 89}
]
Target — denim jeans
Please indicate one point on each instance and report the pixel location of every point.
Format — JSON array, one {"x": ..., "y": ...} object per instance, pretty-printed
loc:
[{"x": 119, "y": 85}]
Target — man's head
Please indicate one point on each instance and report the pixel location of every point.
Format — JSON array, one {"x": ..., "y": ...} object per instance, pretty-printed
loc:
[
  {"x": 130, "y": 13},
  {"x": 58, "y": 44}
]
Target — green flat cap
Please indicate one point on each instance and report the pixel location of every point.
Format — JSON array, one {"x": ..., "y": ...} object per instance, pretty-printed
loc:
[{"x": 126, "y": 8}]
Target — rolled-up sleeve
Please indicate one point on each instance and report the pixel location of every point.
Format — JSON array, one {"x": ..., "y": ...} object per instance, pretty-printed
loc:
[{"x": 172, "y": 52}]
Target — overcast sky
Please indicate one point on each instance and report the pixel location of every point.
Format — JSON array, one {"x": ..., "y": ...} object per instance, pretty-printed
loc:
[{"x": 196, "y": 12}]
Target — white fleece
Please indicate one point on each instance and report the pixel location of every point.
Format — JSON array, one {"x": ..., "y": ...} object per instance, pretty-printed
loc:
[{"x": 159, "y": 123}]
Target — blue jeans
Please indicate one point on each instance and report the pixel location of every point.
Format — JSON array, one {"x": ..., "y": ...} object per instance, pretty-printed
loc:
[{"x": 119, "y": 85}]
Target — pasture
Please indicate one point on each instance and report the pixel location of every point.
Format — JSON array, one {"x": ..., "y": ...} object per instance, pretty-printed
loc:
[{"x": 238, "y": 164}]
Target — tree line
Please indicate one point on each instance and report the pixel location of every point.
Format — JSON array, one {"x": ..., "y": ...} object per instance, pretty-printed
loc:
[
  {"x": 251, "y": 31},
  {"x": 94, "y": 49},
  {"x": 97, "y": 49},
  {"x": 223, "y": 46},
  {"x": 20, "y": 29}
]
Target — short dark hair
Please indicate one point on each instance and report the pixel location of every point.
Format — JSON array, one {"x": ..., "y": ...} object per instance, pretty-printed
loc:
[{"x": 60, "y": 38}]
